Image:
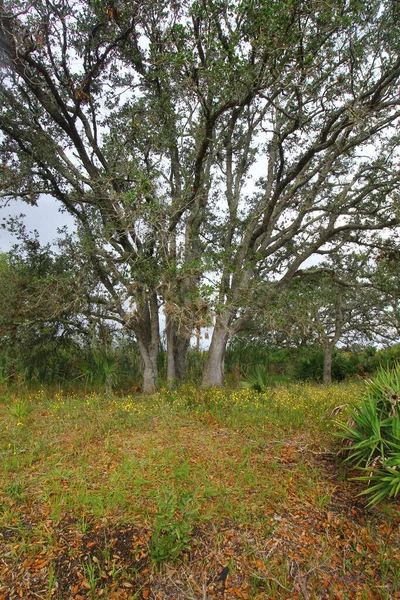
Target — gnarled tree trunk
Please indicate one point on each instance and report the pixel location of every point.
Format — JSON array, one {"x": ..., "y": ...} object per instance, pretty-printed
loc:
[
  {"x": 147, "y": 331},
  {"x": 213, "y": 375},
  {"x": 150, "y": 370}
]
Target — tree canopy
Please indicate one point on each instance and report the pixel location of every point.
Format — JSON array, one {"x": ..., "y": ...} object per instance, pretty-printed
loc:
[{"x": 205, "y": 149}]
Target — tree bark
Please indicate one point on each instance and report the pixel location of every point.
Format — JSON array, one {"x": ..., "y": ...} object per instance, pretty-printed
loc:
[
  {"x": 150, "y": 369},
  {"x": 171, "y": 373},
  {"x": 327, "y": 371},
  {"x": 213, "y": 375},
  {"x": 147, "y": 331},
  {"x": 182, "y": 344},
  {"x": 177, "y": 348}
]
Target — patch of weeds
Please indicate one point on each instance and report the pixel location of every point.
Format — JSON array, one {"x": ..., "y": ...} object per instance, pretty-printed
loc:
[
  {"x": 83, "y": 524},
  {"x": 16, "y": 491},
  {"x": 116, "y": 498},
  {"x": 324, "y": 500},
  {"x": 390, "y": 570},
  {"x": 52, "y": 583},
  {"x": 91, "y": 501},
  {"x": 12, "y": 463},
  {"x": 21, "y": 409},
  {"x": 181, "y": 472},
  {"x": 125, "y": 471},
  {"x": 258, "y": 379},
  {"x": 92, "y": 575},
  {"x": 172, "y": 532}
]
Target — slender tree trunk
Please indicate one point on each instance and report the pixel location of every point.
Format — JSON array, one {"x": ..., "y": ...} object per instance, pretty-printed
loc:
[
  {"x": 171, "y": 372},
  {"x": 198, "y": 332},
  {"x": 330, "y": 343},
  {"x": 327, "y": 372},
  {"x": 213, "y": 375},
  {"x": 146, "y": 328}
]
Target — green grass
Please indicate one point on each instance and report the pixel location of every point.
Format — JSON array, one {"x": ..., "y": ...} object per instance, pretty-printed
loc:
[{"x": 103, "y": 495}]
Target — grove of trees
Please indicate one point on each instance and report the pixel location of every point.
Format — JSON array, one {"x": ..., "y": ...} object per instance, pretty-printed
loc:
[{"x": 207, "y": 150}]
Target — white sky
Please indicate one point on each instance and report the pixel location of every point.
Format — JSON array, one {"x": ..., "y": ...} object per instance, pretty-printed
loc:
[{"x": 46, "y": 218}]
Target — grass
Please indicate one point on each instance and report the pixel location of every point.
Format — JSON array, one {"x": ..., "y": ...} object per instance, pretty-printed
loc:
[{"x": 162, "y": 497}]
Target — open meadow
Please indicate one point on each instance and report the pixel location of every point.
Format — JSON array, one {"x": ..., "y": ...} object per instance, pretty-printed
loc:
[{"x": 187, "y": 494}]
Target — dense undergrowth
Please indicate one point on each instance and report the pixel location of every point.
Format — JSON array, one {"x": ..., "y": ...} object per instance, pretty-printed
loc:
[
  {"x": 187, "y": 494},
  {"x": 117, "y": 366}
]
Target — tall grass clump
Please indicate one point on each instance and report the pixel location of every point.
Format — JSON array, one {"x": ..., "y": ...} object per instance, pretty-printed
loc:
[{"x": 372, "y": 436}]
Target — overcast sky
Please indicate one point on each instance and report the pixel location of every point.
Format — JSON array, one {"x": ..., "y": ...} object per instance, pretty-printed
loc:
[{"x": 45, "y": 217}]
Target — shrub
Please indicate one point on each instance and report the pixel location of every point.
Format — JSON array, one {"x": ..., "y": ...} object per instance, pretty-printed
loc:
[
  {"x": 372, "y": 436},
  {"x": 344, "y": 365},
  {"x": 389, "y": 357},
  {"x": 258, "y": 379},
  {"x": 309, "y": 365},
  {"x": 172, "y": 533}
]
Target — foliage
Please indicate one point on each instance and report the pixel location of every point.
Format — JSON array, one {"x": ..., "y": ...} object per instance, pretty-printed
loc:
[
  {"x": 303, "y": 363},
  {"x": 384, "y": 482},
  {"x": 257, "y": 379},
  {"x": 336, "y": 301},
  {"x": 195, "y": 366},
  {"x": 172, "y": 533},
  {"x": 309, "y": 364},
  {"x": 48, "y": 333},
  {"x": 200, "y": 142},
  {"x": 100, "y": 369},
  {"x": 387, "y": 358},
  {"x": 373, "y": 436},
  {"x": 244, "y": 351},
  {"x": 40, "y": 323}
]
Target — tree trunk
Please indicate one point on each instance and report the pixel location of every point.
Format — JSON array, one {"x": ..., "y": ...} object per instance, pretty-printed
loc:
[
  {"x": 213, "y": 375},
  {"x": 182, "y": 343},
  {"x": 146, "y": 328},
  {"x": 171, "y": 373},
  {"x": 150, "y": 368},
  {"x": 330, "y": 343},
  {"x": 177, "y": 348},
  {"x": 327, "y": 373}
]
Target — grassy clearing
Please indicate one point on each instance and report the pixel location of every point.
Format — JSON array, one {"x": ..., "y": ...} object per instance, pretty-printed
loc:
[{"x": 188, "y": 494}]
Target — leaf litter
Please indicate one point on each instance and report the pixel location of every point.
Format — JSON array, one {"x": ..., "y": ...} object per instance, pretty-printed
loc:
[
  {"x": 308, "y": 537},
  {"x": 301, "y": 551}
]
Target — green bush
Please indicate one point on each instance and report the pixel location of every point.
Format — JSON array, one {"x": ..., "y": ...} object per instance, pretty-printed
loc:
[
  {"x": 372, "y": 436},
  {"x": 385, "y": 482},
  {"x": 309, "y": 364},
  {"x": 172, "y": 532},
  {"x": 258, "y": 379},
  {"x": 344, "y": 365},
  {"x": 388, "y": 358}
]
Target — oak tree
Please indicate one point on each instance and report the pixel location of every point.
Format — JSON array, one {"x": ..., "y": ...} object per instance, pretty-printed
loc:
[{"x": 206, "y": 149}]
